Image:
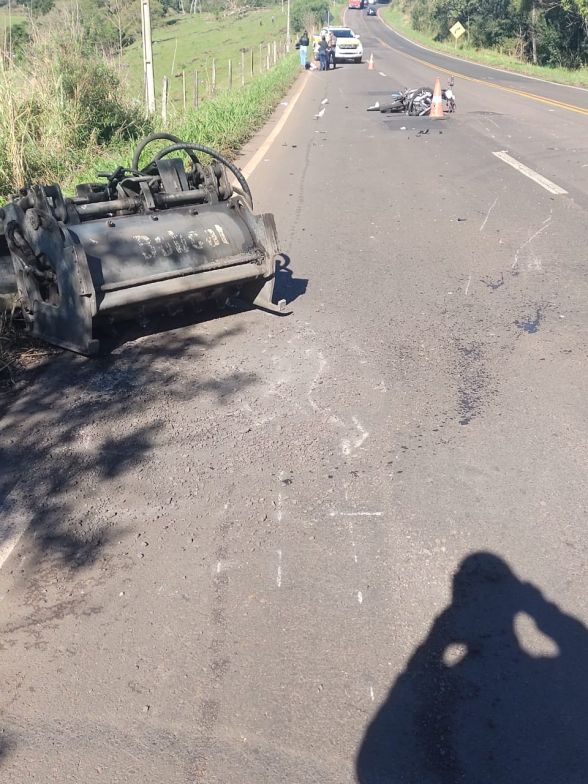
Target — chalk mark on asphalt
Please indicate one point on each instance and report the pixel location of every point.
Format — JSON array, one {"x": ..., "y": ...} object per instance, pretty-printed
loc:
[
  {"x": 347, "y": 445},
  {"x": 483, "y": 226},
  {"x": 527, "y": 242},
  {"x": 279, "y": 574}
]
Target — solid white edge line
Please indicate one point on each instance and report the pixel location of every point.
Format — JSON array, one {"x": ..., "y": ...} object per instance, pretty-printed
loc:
[
  {"x": 13, "y": 533},
  {"x": 252, "y": 165},
  {"x": 530, "y": 173},
  {"x": 482, "y": 65}
]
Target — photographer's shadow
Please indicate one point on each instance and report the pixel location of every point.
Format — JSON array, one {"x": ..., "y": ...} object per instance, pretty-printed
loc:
[{"x": 475, "y": 704}]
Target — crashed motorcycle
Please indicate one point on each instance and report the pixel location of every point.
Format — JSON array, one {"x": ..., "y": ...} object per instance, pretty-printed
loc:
[{"x": 415, "y": 102}]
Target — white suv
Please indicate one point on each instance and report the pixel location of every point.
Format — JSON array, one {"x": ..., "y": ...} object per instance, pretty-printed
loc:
[{"x": 348, "y": 45}]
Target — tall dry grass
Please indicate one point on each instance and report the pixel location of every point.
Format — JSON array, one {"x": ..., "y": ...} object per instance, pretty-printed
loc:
[{"x": 61, "y": 107}]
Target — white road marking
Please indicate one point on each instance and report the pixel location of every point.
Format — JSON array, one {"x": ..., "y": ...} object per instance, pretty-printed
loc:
[
  {"x": 483, "y": 226},
  {"x": 334, "y": 513},
  {"x": 381, "y": 73},
  {"x": 223, "y": 566},
  {"x": 360, "y": 597},
  {"x": 13, "y": 529},
  {"x": 372, "y": 693},
  {"x": 279, "y": 574},
  {"x": 530, "y": 173},
  {"x": 279, "y": 513},
  {"x": 250, "y": 167},
  {"x": 320, "y": 114},
  {"x": 324, "y": 101},
  {"x": 468, "y": 286}
]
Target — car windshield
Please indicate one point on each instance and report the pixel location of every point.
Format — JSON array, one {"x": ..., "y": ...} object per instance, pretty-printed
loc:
[{"x": 343, "y": 33}]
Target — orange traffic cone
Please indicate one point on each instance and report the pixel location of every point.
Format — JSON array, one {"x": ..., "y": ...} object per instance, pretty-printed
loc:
[
  {"x": 437, "y": 102},
  {"x": 371, "y": 63}
]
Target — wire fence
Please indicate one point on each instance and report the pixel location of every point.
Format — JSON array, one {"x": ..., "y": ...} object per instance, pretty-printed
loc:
[{"x": 189, "y": 89}]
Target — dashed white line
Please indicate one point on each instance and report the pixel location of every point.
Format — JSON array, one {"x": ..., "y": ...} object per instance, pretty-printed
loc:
[
  {"x": 381, "y": 73},
  {"x": 334, "y": 513},
  {"x": 530, "y": 173}
]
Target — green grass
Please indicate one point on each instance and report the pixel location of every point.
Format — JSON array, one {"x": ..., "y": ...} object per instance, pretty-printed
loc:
[
  {"x": 399, "y": 21},
  {"x": 224, "y": 123},
  {"x": 6, "y": 18},
  {"x": 191, "y": 42},
  {"x": 63, "y": 121}
]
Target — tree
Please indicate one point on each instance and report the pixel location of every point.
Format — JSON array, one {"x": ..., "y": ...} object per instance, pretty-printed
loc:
[{"x": 302, "y": 11}]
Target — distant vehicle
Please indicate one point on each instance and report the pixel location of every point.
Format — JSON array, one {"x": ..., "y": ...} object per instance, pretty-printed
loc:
[
  {"x": 371, "y": 11},
  {"x": 348, "y": 46},
  {"x": 355, "y": 4}
]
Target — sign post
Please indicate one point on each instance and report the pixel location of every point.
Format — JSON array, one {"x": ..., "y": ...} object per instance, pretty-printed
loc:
[{"x": 457, "y": 31}]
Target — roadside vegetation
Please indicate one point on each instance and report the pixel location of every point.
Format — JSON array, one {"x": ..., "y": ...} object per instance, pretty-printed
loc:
[
  {"x": 72, "y": 106},
  {"x": 545, "y": 40}
]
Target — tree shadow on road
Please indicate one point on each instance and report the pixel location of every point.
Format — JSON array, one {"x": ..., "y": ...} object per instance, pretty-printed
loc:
[
  {"x": 76, "y": 449},
  {"x": 84, "y": 421},
  {"x": 474, "y": 705}
]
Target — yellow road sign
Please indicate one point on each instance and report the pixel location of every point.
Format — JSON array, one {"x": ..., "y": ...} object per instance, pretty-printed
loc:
[{"x": 457, "y": 30}]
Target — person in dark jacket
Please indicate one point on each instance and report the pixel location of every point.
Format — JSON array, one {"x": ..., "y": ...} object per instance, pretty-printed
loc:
[
  {"x": 303, "y": 42},
  {"x": 322, "y": 51}
]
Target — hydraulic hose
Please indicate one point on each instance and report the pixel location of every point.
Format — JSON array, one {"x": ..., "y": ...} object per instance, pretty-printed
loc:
[
  {"x": 153, "y": 137},
  {"x": 187, "y": 147}
]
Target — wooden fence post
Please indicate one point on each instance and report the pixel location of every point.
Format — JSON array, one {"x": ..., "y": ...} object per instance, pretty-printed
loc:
[
  {"x": 260, "y": 58},
  {"x": 195, "y": 95},
  {"x": 164, "y": 94},
  {"x": 275, "y": 53}
]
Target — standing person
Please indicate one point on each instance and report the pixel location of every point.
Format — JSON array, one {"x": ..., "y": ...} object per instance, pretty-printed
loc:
[
  {"x": 331, "y": 51},
  {"x": 303, "y": 42},
  {"x": 322, "y": 48}
]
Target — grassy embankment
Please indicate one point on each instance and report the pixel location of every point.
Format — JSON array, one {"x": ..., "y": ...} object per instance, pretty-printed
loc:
[
  {"x": 399, "y": 21},
  {"x": 225, "y": 122},
  {"x": 7, "y": 18},
  {"x": 62, "y": 122},
  {"x": 190, "y": 43}
]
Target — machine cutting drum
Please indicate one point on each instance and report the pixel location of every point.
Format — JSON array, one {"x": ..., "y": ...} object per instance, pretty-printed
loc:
[{"x": 145, "y": 238}]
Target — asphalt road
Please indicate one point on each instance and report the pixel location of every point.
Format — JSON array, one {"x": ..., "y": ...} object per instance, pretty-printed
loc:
[{"x": 344, "y": 545}]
